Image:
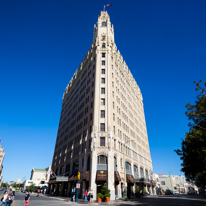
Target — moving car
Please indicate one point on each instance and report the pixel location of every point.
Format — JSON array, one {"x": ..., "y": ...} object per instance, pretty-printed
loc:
[{"x": 177, "y": 193}]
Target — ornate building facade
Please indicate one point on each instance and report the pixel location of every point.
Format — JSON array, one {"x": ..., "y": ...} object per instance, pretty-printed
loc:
[{"x": 102, "y": 111}]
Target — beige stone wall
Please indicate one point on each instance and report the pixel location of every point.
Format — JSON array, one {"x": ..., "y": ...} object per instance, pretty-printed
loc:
[{"x": 124, "y": 113}]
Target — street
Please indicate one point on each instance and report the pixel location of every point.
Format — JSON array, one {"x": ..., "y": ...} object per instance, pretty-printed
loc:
[{"x": 177, "y": 200}]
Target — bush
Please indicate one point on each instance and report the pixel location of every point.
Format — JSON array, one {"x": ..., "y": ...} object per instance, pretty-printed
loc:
[
  {"x": 105, "y": 191},
  {"x": 100, "y": 195},
  {"x": 107, "y": 195}
]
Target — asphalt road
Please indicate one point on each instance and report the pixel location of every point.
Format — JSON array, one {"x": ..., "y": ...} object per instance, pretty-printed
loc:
[{"x": 177, "y": 200}]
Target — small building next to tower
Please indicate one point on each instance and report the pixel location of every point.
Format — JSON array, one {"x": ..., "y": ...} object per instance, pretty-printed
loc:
[{"x": 102, "y": 110}]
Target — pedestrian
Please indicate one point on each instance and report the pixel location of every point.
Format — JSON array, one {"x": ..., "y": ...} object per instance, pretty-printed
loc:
[
  {"x": 44, "y": 190},
  {"x": 85, "y": 196},
  {"x": 88, "y": 197},
  {"x": 38, "y": 192},
  {"x": 91, "y": 195},
  {"x": 4, "y": 198},
  {"x": 26, "y": 198},
  {"x": 9, "y": 198}
]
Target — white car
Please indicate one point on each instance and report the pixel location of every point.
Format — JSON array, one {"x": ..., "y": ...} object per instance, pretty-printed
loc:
[{"x": 177, "y": 193}]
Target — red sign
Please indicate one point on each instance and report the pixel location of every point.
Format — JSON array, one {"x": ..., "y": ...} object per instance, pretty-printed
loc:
[{"x": 77, "y": 185}]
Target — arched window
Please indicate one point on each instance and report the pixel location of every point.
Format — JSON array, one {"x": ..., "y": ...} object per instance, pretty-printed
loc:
[
  {"x": 104, "y": 23},
  {"x": 75, "y": 167},
  {"x": 135, "y": 170},
  {"x": 115, "y": 161},
  {"x": 142, "y": 172},
  {"x": 128, "y": 166},
  {"x": 121, "y": 162},
  {"x": 146, "y": 173},
  {"x": 101, "y": 159},
  {"x": 62, "y": 170},
  {"x": 67, "y": 170},
  {"x": 88, "y": 163},
  {"x": 101, "y": 162},
  {"x": 103, "y": 45}
]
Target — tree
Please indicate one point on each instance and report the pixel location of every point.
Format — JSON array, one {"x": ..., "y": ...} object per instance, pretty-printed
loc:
[
  {"x": 4, "y": 185},
  {"x": 32, "y": 187},
  {"x": 193, "y": 147}
]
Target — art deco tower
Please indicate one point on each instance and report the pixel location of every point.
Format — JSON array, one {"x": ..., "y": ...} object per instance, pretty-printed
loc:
[{"x": 102, "y": 111}]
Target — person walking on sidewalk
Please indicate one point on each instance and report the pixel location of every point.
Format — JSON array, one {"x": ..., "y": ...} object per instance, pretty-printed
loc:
[
  {"x": 26, "y": 199},
  {"x": 4, "y": 198},
  {"x": 85, "y": 196}
]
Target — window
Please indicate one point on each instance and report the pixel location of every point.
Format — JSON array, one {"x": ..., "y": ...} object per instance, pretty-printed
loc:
[
  {"x": 103, "y": 62},
  {"x": 103, "y": 37},
  {"x": 113, "y": 105},
  {"x": 102, "y": 141},
  {"x": 112, "y": 84},
  {"x": 102, "y": 127},
  {"x": 101, "y": 159},
  {"x": 114, "y": 129},
  {"x": 112, "y": 75},
  {"x": 103, "y": 80},
  {"x": 102, "y": 90},
  {"x": 135, "y": 169},
  {"x": 162, "y": 182},
  {"x": 103, "y": 54},
  {"x": 102, "y": 101},
  {"x": 103, "y": 71},
  {"x": 104, "y": 23},
  {"x": 103, "y": 45},
  {"x": 91, "y": 117},
  {"x": 128, "y": 166},
  {"x": 115, "y": 161},
  {"x": 121, "y": 162},
  {"x": 91, "y": 105},
  {"x": 113, "y": 94},
  {"x": 113, "y": 117},
  {"x": 115, "y": 144},
  {"x": 102, "y": 113}
]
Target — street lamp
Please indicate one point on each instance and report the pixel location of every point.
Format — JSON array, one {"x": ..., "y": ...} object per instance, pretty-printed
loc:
[
  {"x": 170, "y": 180},
  {"x": 124, "y": 168}
]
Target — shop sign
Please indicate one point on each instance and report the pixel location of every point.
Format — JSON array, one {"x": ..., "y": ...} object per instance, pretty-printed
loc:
[
  {"x": 102, "y": 175},
  {"x": 77, "y": 185},
  {"x": 62, "y": 179}
]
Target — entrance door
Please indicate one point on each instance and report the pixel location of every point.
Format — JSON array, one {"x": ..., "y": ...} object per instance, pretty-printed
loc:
[{"x": 65, "y": 189}]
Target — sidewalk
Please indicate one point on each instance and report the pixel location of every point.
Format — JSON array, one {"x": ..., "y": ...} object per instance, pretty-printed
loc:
[{"x": 81, "y": 201}]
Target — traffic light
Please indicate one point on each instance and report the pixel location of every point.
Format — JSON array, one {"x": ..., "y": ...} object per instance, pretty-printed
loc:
[
  {"x": 42, "y": 182},
  {"x": 78, "y": 175}
]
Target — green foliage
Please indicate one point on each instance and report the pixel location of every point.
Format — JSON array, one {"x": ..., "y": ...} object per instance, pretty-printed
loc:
[
  {"x": 138, "y": 190},
  {"x": 32, "y": 187},
  {"x": 144, "y": 190},
  {"x": 4, "y": 185},
  {"x": 105, "y": 190},
  {"x": 107, "y": 195},
  {"x": 193, "y": 147},
  {"x": 100, "y": 195}
]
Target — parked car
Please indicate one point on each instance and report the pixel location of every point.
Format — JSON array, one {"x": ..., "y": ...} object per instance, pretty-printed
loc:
[
  {"x": 169, "y": 192},
  {"x": 191, "y": 192},
  {"x": 177, "y": 193}
]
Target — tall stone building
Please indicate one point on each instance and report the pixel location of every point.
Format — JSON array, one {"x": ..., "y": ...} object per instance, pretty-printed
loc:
[
  {"x": 102, "y": 110},
  {"x": 2, "y": 155}
]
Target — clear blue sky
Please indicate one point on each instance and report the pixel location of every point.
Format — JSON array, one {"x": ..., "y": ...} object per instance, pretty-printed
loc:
[{"x": 43, "y": 43}]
